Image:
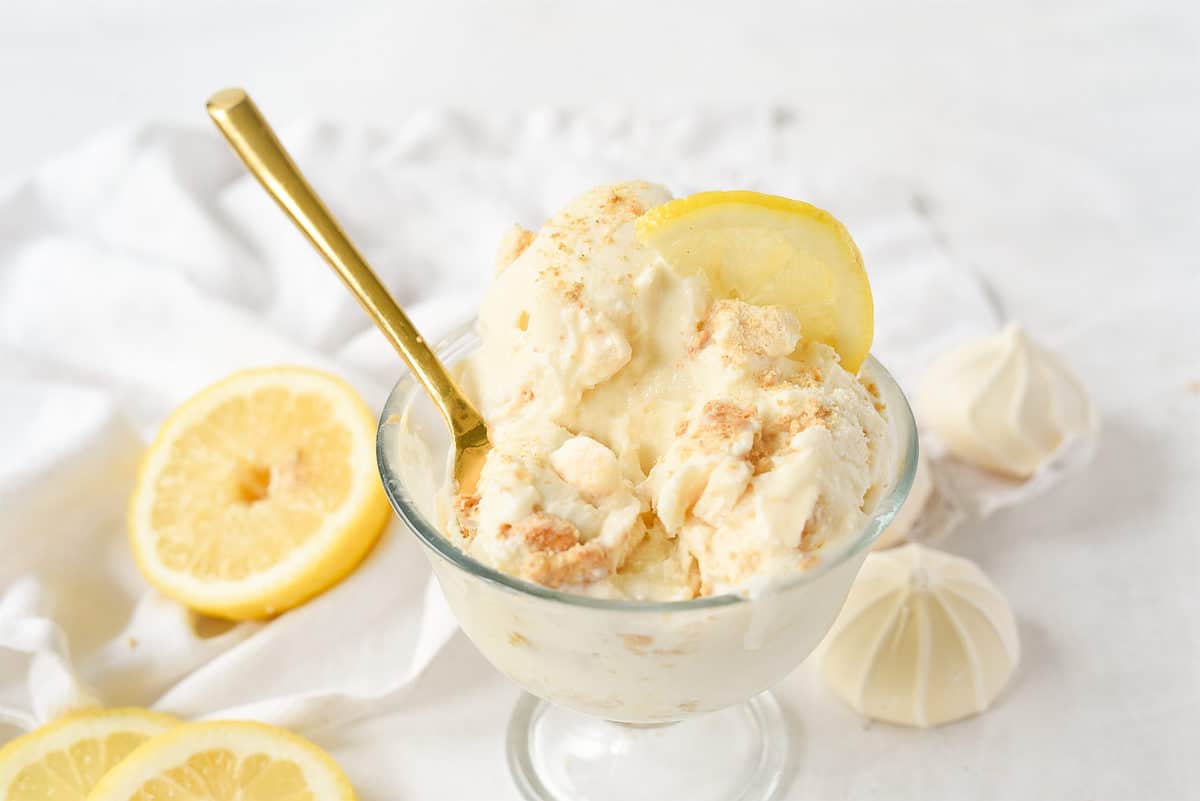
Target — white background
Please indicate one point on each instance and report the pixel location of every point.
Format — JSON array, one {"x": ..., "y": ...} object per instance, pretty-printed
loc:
[
  {"x": 1021, "y": 119},
  {"x": 1054, "y": 143}
]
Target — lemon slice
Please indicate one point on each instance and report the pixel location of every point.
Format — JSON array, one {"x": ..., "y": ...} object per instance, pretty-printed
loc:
[
  {"x": 258, "y": 493},
  {"x": 770, "y": 250},
  {"x": 226, "y": 761},
  {"x": 63, "y": 761}
]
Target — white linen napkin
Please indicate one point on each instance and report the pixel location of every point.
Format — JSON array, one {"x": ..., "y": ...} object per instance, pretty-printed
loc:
[{"x": 148, "y": 264}]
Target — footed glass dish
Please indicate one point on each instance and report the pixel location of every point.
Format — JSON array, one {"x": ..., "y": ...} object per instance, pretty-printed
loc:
[{"x": 632, "y": 700}]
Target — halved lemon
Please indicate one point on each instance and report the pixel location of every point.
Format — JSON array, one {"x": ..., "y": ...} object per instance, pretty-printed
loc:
[
  {"x": 63, "y": 760},
  {"x": 226, "y": 761},
  {"x": 771, "y": 250},
  {"x": 258, "y": 493}
]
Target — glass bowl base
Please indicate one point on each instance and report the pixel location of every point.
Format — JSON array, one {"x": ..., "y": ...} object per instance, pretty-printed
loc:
[{"x": 734, "y": 754}]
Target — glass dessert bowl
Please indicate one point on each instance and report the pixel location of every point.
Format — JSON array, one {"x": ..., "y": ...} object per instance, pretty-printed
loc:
[
  {"x": 675, "y": 395},
  {"x": 613, "y": 676}
]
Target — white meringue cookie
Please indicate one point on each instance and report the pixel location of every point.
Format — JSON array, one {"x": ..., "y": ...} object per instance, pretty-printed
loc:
[
  {"x": 922, "y": 487},
  {"x": 924, "y": 639},
  {"x": 1003, "y": 403}
]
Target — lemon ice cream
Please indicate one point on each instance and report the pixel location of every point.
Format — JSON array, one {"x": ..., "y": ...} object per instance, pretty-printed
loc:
[{"x": 653, "y": 437}]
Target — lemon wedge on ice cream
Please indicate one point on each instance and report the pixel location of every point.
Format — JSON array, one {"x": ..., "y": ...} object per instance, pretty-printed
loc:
[{"x": 770, "y": 250}]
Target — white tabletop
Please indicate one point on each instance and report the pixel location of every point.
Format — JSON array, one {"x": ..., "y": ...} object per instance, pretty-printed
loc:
[{"x": 1055, "y": 146}]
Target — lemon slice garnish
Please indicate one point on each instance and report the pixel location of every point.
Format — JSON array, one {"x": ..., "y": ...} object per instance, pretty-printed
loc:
[
  {"x": 64, "y": 760},
  {"x": 258, "y": 493},
  {"x": 770, "y": 250},
  {"x": 226, "y": 760}
]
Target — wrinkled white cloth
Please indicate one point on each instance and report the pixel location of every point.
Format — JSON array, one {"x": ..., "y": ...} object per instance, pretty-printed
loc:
[{"x": 147, "y": 265}]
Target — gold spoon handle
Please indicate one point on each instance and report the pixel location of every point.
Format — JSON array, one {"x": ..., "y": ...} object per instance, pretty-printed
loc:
[{"x": 252, "y": 138}]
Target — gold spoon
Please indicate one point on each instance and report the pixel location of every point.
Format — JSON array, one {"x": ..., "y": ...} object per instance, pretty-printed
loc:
[{"x": 252, "y": 138}]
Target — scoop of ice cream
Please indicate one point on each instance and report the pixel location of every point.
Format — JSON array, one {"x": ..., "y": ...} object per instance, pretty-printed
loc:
[
  {"x": 1003, "y": 403},
  {"x": 552, "y": 508},
  {"x": 649, "y": 440},
  {"x": 757, "y": 481},
  {"x": 512, "y": 244}
]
